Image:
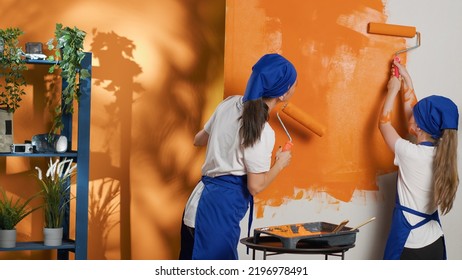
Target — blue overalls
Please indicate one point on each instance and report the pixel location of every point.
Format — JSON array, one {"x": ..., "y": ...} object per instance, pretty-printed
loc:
[
  {"x": 401, "y": 228},
  {"x": 222, "y": 206}
]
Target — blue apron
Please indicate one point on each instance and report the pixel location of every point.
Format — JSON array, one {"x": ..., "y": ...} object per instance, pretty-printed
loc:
[
  {"x": 401, "y": 228},
  {"x": 223, "y": 204}
]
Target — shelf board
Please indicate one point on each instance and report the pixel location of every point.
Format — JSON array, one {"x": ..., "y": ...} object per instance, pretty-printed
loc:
[
  {"x": 38, "y": 245},
  {"x": 41, "y": 61},
  {"x": 71, "y": 154}
]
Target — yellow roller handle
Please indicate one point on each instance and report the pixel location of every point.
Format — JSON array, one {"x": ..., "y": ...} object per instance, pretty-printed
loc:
[{"x": 391, "y": 29}]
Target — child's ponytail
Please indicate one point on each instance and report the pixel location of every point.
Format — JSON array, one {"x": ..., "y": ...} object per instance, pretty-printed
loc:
[{"x": 445, "y": 173}]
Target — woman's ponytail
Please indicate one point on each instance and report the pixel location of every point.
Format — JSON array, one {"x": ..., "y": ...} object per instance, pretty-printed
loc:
[{"x": 254, "y": 116}]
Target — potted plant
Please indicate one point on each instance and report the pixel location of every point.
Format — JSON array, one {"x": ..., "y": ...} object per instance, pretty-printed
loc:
[
  {"x": 12, "y": 67},
  {"x": 11, "y": 213},
  {"x": 56, "y": 193},
  {"x": 12, "y": 83},
  {"x": 68, "y": 53}
]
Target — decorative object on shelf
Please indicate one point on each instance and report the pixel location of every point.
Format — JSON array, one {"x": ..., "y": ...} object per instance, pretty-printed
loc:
[
  {"x": 56, "y": 191},
  {"x": 69, "y": 55},
  {"x": 6, "y": 131},
  {"x": 35, "y": 56},
  {"x": 11, "y": 213},
  {"x": 26, "y": 148},
  {"x": 12, "y": 68},
  {"x": 49, "y": 143},
  {"x": 34, "y": 48}
]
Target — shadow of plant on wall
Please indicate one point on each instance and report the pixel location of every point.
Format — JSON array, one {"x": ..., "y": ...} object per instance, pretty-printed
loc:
[
  {"x": 147, "y": 131},
  {"x": 104, "y": 206},
  {"x": 116, "y": 52}
]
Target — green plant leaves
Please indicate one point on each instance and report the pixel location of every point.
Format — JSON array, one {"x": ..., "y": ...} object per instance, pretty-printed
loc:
[
  {"x": 68, "y": 45},
  {"x": 12, "y": 68},
  {"x": 68, "y": 54},
  {"x": 56, "y": 191},
  {"x": 12, "y": 212}
]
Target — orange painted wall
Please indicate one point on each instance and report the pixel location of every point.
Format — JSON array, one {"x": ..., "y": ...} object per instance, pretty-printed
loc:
[
  {"x": 342, "y": 74},
  {"x": 157, "y": 72}
]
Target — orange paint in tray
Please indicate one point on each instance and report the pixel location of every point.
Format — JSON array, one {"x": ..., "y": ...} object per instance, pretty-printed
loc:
[{"x": 315, "y": 234}]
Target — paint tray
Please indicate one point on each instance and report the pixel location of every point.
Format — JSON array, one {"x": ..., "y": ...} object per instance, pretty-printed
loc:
[{"x": 316, "y": 234}]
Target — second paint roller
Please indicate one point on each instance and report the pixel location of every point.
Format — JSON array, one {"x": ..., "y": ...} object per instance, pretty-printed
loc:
[
  {"x": 395, "y": 30},
  {"x": 303, "y": 119}
]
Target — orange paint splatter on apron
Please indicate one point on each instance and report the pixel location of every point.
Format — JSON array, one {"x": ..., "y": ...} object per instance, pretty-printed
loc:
[{"x": 342, "y": 76}]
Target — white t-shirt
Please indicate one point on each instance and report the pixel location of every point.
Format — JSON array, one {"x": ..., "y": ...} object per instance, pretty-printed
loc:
[
  {"x": 415, "y": 189},
  {"x": 225, "y": 155}
]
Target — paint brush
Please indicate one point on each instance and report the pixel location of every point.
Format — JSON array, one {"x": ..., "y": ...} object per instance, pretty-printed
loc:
[
  {"x": 340, "y": 226},
  {"x": 366, "y": 222}
]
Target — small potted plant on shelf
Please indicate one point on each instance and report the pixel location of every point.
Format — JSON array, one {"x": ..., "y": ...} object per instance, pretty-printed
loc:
[
  {"x": 11, "y": 213},
  {"x": 68, "y": 53},
  {"x": 56, "y": 193},
  {"x": 12, "y": 67}
]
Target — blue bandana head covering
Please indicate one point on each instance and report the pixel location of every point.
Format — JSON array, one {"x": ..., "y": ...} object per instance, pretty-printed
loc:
[
  {"x": 435, "y": 113},
  {"x": 272, "y": 76}
]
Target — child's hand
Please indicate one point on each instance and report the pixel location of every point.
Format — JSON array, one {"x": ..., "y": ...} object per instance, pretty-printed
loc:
[
  {"x": 394, "y": 84},
  {"x": 403, "y": 73}
]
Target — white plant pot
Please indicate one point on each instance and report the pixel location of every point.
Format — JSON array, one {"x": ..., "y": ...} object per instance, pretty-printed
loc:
[
  {"x": 7, "y": 238},
  {"x": 52, "y": 236}
]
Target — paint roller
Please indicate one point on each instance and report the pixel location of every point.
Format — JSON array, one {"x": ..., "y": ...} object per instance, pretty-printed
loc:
[
  {"x": 395, "y": 30},
  {"x": 303, "y": 119}
]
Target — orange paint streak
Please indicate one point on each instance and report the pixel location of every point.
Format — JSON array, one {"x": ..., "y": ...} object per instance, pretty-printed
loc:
[
  {"x": 409, "y": 96},
  {"x": 298, "y": 195},
  {"x": 386, "y": 118},
  {"x": 342, "y": 73}
]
